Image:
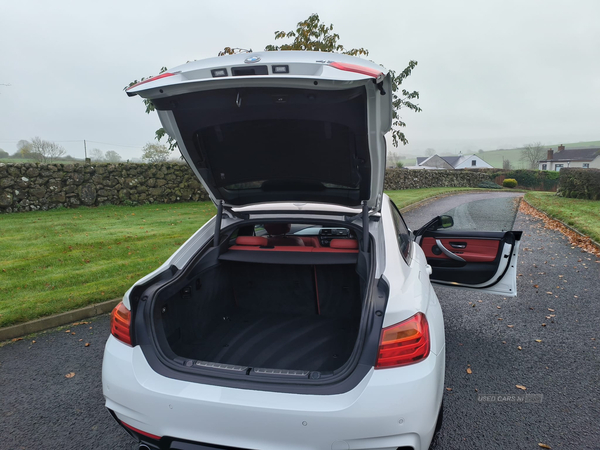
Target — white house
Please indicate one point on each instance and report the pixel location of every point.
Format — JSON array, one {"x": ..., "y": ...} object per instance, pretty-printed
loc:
[
  {"x": 576, "y": 157},
  {"x": 451, "y": 162}
]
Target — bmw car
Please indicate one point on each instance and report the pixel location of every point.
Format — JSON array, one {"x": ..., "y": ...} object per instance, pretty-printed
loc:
[{"x": 302, "y": 316}]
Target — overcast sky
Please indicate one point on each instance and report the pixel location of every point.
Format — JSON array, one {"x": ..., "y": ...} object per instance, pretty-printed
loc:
[{"x": 491, "y": 74}]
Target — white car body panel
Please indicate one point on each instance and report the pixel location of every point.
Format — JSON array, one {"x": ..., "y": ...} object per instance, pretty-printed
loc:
[{"x": 367, "y": 417}]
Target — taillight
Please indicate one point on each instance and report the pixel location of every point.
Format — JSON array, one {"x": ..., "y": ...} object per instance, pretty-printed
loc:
[
  {"x": 157, "y": 77},
  {"x": 405, "y": 343},
  {"x": 120, "y": 323},
  {"x": 377, "y": 74}
]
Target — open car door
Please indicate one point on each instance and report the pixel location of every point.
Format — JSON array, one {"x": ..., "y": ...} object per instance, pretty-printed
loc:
[{"x": 483, "y": 260}]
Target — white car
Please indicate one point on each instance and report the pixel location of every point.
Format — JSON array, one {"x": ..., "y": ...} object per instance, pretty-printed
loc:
[{"x": 302, "y": 316}]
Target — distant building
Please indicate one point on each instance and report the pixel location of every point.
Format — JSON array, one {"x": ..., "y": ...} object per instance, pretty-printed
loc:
[
  {"x": 575, "y": 157},
  {"x": 451, "y": 162}
]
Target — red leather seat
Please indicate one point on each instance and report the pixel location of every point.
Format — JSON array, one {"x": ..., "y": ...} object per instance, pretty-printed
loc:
[
  {"x": 339, "y": 246},
  {"x": 262, "y": 243},
  {"x": 252, "y": 240}
]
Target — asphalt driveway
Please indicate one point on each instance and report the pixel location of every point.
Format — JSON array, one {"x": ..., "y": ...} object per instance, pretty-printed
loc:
[{"x": 496, "y": 338}]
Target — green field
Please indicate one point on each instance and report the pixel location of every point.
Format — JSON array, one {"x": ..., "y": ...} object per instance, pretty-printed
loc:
[{"x": 495, "y": 157}]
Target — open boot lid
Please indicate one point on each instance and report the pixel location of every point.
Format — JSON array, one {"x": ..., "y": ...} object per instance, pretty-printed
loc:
[{"x": 286, "y": 126}]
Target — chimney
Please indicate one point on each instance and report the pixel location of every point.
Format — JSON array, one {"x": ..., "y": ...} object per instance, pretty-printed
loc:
[
  {"x": 550, "y": 154},
  {"x": 561, "y": 148}
]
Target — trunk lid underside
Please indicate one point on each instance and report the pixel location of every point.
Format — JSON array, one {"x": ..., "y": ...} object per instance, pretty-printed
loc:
[{"x": 275, "y": 138}]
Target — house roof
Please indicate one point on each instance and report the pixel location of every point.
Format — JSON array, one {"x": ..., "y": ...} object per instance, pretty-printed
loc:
[
  {"x": 575, "y": 154},
  {"x": 452, "y": 160}
]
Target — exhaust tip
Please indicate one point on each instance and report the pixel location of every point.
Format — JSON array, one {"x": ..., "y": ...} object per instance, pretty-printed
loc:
[{"x": 144, "y": 447}]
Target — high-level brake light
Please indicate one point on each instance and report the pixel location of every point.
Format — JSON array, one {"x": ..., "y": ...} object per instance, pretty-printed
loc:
[
  {"x": 377, "y": 74},
  {"x": 157, "y": 77}
]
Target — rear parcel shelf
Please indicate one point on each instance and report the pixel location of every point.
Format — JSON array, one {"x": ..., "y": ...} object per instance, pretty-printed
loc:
[{"x": 289, "y": 257}]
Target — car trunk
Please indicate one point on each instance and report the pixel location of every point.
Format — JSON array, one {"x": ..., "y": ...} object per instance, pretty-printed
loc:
[{"x": 263, "y": 316}]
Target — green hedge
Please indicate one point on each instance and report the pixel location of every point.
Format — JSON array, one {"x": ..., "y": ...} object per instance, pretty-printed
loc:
[
  {"x": 509, "y": 183},
  {"x": 579, "y": 183},
  {"x": 534, "y": 179}
]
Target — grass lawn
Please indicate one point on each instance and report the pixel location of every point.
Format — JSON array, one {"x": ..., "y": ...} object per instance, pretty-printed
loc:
[
  {"x": 583, "y": 215},
  {"x": 55, "y": 261},
  {"x": 59, "y": 260}
]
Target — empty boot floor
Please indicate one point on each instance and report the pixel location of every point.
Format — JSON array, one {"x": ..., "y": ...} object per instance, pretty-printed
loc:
[{"x": 277, "y": 341}]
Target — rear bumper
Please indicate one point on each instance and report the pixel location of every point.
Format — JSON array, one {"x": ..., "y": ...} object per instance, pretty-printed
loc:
[{"x": 390, "y": 408}]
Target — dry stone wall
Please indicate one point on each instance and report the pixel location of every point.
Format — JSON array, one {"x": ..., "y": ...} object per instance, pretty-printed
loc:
[
  {"x": 32, "y": 187},
  {"x": 396, "y": 179}
]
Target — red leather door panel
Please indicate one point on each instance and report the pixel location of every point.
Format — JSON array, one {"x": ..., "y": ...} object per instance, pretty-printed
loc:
[{"x": 475, "y": 250}]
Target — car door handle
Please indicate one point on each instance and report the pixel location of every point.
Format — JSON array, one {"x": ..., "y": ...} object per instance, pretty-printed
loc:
[
  {"x": 447, "y": 252},
  {"x": 460, "y": 245}
]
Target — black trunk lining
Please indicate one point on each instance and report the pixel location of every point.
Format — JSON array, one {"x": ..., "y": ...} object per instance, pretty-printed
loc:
[
  {"x": 295, "y": 317},
  {"x": 275, "y": 340}
]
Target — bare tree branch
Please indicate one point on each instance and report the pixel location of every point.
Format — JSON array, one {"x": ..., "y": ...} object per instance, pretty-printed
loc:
[{"x": 531, "y": 154}]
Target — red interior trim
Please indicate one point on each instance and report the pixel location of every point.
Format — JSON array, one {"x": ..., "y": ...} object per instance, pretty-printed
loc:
[
  {"x": 344, "y": 243},
  {"x": 476, "y": 250},
  {"x": 280, "y": 248},
  {"x": 290, "y": 248},
  {"x": 334, "y": 250}
]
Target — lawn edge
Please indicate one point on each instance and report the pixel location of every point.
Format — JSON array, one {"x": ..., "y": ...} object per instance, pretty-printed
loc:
[
  {"x": 575, "y": 230},
  {"x": 56, "y": 320}
]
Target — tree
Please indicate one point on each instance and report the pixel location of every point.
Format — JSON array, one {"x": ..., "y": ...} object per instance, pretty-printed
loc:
[
  {"x": 112, "y": 157},
  {"x": 392, "y": 159},
  {"x": 96, "y": 155},
  {"x": 312, "y": 34},
  {"x": 506, "y": 164},
  {"x": 3, "y": 154},
  {"x": 23, "y": 149},
  {"x": 46, "y": 151},
  {"x": 155, "y": 153},
  {"x": 531, "y": 154},
  {"x": 399, "y": 164}
]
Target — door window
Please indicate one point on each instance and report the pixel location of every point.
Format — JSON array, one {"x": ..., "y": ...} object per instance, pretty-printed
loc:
[{"x": 402, "y": 233}]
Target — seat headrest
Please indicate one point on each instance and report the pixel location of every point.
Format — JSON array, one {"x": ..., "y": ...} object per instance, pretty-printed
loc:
[
  {"x": 252, "y": 240},
  {"x": 344, "y": 243},
  {"x": 277, "y": 229}
]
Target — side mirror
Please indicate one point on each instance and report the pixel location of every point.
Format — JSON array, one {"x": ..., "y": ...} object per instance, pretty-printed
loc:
[
  {"x": 445, "y": 222},
  {"x": 435, "y": 224}
]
